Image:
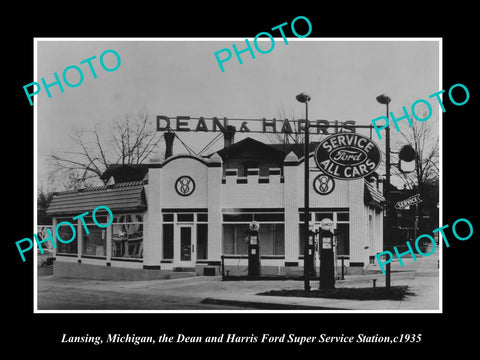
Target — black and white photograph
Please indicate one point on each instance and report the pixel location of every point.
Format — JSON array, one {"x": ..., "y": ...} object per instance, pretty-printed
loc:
[
  {"x": 203, "y": 173},
  {"x": 300, "y": 180}
]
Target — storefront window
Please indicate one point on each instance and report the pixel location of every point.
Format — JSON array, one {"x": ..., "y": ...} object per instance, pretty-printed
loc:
[
  {"x": 94, "y": 244},
  {"x": 234, "y": 239},
  {"x": 271, "y": 238},
  {"x": 343, "y": 239},
  {"x": 65, "y": 232},
  {"x": 127, "y": 239}
]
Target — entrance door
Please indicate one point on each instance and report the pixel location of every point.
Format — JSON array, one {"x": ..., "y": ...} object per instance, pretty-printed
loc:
[{"x": 185, "y": 246}]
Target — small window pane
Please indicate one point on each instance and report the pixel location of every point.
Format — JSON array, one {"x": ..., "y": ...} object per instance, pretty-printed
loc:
[
  {"x": 127, "y": 239},
  {"x": 185, "y": 217},
  {"x": 95, "y": 242},
  {"x": 302, "y": 217},
  {"x": 269, "y": 217},
  {"x": 343, "y": 217},
  {"x": 202, "y": 217},
  {"x": 168, "y": 217},
  {"x": 321, "y": 216},
  {"x": 65, "y": 232},
  {"x": 237, "y": 217}
]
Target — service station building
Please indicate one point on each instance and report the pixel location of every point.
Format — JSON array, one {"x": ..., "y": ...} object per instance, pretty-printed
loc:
[{"x": 180, "y": 216}]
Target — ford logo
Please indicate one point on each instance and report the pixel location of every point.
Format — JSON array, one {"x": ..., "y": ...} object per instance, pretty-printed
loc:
[{"x": 347, "y": 156}]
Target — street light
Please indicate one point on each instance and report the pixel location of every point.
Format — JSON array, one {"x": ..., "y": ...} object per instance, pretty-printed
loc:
[
  {"x": 304, "y": 98},
  {"x": 385, "y": 100}
]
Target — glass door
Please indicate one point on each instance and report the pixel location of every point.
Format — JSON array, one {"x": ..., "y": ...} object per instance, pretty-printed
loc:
[{"x": 185, "y": 245}]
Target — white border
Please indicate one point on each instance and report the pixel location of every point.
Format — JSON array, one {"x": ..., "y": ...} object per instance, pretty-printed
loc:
[{"x": 35, "y": 144}]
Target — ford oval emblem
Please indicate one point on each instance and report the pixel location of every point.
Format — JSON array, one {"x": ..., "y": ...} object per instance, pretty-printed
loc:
[{"x": 347, "y": 156}]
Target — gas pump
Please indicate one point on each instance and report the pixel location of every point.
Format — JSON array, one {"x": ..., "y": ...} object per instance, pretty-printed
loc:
[
  {"x": 327, "y": 260},
  {"x": 253, "y": 250},
  {"x": 309, "y": 257}
]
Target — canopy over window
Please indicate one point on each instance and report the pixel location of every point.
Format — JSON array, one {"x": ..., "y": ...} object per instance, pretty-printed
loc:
[
  {"x": 373, "y": 197},
  {"x": 128, "y": 196}
]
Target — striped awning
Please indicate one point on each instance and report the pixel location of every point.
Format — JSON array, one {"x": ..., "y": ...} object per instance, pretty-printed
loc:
[
  {"x": 373, "y": 197},
  {"x": 128, "y": 196}
]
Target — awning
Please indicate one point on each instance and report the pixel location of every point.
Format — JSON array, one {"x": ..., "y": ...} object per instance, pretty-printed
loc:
[
  {"x": 373, "y": 197},
  {"x": 128, "y": 196}
]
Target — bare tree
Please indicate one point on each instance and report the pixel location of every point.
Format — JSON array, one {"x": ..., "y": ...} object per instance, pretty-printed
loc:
[
  {"x": 424, "y": 176},
  {"x": 421, "y": 137},
  {"x": 295, "y": 137},
  {"x": 131, "y": 140}
]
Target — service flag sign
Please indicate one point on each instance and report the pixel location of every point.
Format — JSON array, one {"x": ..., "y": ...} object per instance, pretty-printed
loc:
[{"x": 412, "y": 200}]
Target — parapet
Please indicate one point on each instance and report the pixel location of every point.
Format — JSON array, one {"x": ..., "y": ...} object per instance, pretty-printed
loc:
[{"x": 253, "y": 177}]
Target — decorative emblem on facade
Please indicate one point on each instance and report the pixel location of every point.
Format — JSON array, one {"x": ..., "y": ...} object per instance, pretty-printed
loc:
[
  {"x": 185, "y": 185},
  {"x": 323, "y": 184}
]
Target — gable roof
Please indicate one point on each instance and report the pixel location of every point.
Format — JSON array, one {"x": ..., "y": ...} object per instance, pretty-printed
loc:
[
  {"x": 251, "y": 148},
  {"x": 125, "y": 172},
  {"x": 298, "y": 149}
]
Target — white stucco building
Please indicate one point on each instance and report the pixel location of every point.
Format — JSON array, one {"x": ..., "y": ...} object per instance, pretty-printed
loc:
[{"x": 182, "y": 214}]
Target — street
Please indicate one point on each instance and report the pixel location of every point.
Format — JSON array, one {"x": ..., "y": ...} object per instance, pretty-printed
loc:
[{"x": 211, "y": 293}]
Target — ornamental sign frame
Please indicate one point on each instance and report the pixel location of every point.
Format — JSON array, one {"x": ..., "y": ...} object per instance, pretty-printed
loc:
[
  {"x": 185, "y": 185},
  {"x": 347, "y": 156},
  {"x": 323, "y": 184}
]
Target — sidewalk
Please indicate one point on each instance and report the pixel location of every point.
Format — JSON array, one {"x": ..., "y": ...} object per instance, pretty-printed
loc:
[{"x": 421, "y": 277}]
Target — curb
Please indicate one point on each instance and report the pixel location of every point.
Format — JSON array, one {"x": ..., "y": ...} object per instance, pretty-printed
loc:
[{"x": 266, "y": 305}]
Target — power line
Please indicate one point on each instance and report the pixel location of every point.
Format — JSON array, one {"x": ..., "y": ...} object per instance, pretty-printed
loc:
[{"x": 210, "y": 144}]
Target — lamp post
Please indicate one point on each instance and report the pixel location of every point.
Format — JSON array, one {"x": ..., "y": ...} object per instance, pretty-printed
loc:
[
  {"x": 304, "y": 98},
  {"x": 385, "y": 100}
]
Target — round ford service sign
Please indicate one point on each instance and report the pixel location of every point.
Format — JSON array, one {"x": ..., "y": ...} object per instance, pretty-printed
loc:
[{"x": 347, "y": 156}]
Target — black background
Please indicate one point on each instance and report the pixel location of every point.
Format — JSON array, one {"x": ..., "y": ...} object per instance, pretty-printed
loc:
[{"x": 23, "y": 331}]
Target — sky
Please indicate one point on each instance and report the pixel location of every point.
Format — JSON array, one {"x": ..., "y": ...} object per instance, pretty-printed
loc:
[{"x": 181, "y": 77}]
